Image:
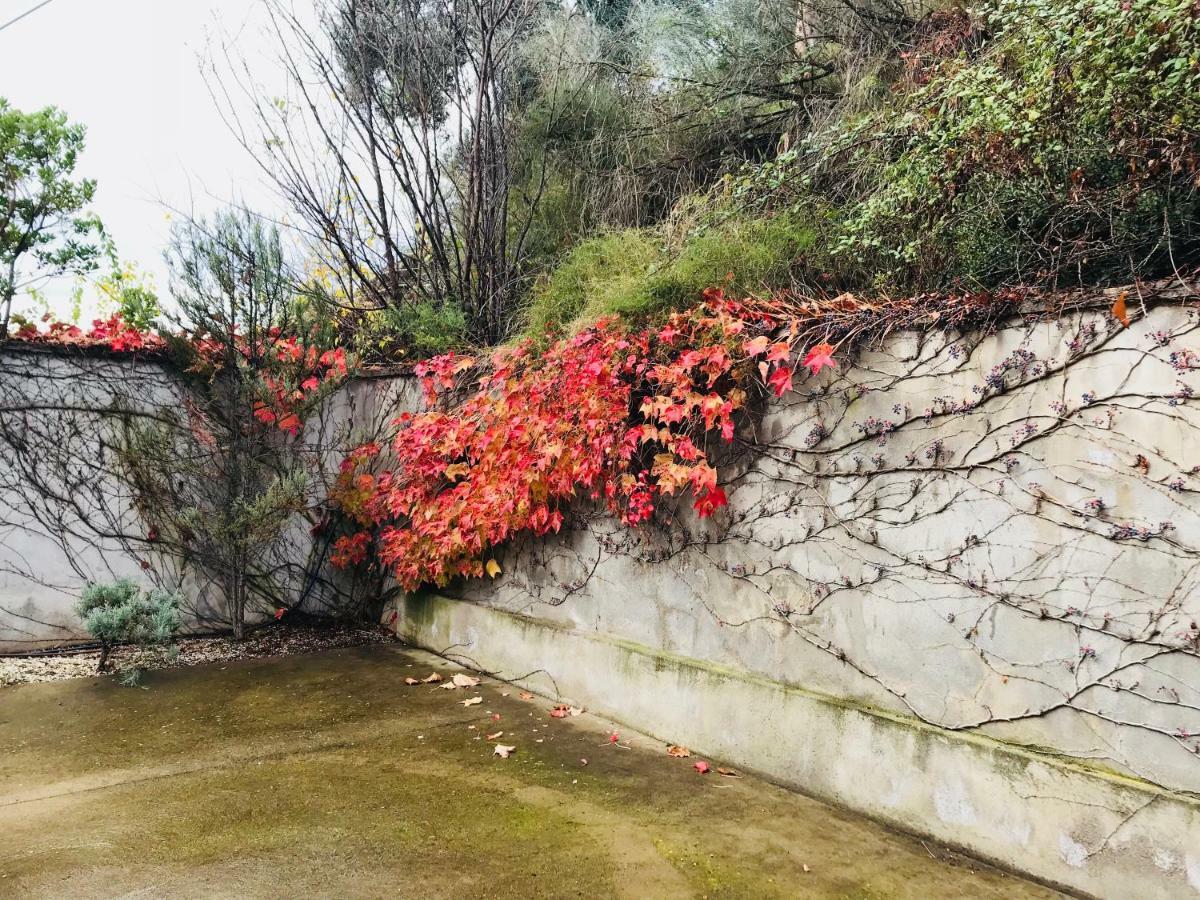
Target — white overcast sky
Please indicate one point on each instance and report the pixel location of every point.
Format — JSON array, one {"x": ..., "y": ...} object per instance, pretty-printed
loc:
[{"x": 129, "y": 70}]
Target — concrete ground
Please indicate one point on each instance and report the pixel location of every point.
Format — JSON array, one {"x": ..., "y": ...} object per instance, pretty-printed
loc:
[{"x": 325, "y": 775}]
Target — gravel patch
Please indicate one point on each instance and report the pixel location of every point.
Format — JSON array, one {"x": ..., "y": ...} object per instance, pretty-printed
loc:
[{"x": 267, "y": 642}]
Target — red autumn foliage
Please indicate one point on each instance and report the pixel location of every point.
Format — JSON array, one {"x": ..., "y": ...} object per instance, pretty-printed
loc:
[
  {"x": 624, "y": 418},
  {"x": 292, "y": 378},
  {"x": 290, "y": 374},
  {"x": 112, "y": 333}
]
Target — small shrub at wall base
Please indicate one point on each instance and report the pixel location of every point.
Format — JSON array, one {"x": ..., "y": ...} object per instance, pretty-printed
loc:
[{"x": 121, "y": 612}]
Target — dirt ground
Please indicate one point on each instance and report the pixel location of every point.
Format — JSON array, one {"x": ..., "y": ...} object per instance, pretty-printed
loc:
[
  {"x": 272, "y": 640},
  {"x": 325, "y": 775}
]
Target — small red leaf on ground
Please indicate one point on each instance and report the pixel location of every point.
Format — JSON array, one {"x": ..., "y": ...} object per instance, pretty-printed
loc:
[{"x": 701, "y": 767}]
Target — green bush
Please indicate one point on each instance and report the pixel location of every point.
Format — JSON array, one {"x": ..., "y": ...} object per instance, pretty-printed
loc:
[
  {"x": 425, "y": 328},
  {"x": 1030, "y": 140},
  {"x": 629, "y": 273},
  {"x": 120, "y": 612},
  {"x": 749, "y": 257},
  {"x": 599, "y": 275}
]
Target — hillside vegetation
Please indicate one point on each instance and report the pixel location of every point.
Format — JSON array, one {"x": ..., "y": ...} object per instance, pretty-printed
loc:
[{"x": 1037, "y": 142}]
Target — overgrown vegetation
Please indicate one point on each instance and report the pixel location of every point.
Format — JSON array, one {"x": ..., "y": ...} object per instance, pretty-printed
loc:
[
  {"x": 1032, "y": 141},
  {"x": 444, "y": 158}
]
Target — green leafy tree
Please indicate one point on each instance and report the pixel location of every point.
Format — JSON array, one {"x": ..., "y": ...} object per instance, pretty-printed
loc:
[
  {"x": 45, "y": 229},
  {"x": 122, "y": 613}
]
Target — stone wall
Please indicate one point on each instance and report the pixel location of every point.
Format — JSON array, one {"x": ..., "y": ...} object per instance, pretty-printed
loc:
[{"x": 963, "y": 553}]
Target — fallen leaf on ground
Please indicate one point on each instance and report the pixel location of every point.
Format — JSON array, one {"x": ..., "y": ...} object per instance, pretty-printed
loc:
[
  {"x": 448, "y": 686},
  {"x": 576, "y": 710},
  {"x": 498, "y": 734},
  {"x": 701, "y": 767},
  {"x": 462, "y": 680},
  {"x": 503, "y": 751},
  {"x": 560, "y": 712},
  {"x": 411, "y": 681},
  {"x": 806, "y": 868},
  {"x": 583, "y": 760},
  {"x": 471, "y": 701},
  {"x": 678, "y": 752},
  {"x": 496, "y": 716},
  {"x": 613, "y": 738},
  {"x": 729, "y": 773},
  {"x": 525, "y": 695},
  {"x": 434, "y": 678}
]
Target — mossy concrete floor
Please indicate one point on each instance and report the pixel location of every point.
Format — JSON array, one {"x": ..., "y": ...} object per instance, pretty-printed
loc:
[{"x": 324, "y": 775}]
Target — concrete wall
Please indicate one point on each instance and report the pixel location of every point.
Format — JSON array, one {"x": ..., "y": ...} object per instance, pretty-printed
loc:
[
  {"x": 956, "y": 590},
  {"x": 55, "y": 431},
  {"x": 65, "y": 520}
]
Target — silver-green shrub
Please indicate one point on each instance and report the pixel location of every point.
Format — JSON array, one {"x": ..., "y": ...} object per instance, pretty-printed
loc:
[{"x": 121, "y": 612}]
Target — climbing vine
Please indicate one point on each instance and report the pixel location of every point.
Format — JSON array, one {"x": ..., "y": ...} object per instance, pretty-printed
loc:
[{"x": 616, "y": 416}]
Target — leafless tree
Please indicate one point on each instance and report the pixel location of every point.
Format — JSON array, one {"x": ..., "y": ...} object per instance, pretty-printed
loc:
[{"x": 395, "y": 148}]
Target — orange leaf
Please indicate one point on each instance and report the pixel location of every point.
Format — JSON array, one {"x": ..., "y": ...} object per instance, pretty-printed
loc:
[{"x": 1118, "y": 310}]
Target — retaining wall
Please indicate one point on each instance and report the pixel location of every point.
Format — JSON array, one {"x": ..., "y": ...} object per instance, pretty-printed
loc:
[
  {"x": 956, "y": 588},
  {"x": 957, "y": 591}
]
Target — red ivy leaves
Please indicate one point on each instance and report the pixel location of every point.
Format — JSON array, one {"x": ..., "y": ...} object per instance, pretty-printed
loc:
[
  {"x": 820, "y": 356},
  {"x": 113, "y": 333},
  {"x": 290, "y": 375},
  {"x": 781, "y": 380},
  {"x": 618, "y": 417}
]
